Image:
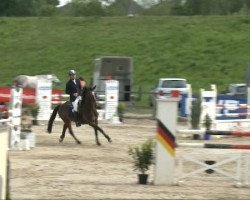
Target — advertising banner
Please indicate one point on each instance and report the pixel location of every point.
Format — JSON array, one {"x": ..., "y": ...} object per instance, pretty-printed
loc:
[
  {"x": 43, "y": 98},
  {"x": 112, "y": 97}
]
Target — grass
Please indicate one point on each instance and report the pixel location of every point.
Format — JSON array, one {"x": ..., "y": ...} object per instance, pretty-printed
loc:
[{"x": 205, "y": 50}]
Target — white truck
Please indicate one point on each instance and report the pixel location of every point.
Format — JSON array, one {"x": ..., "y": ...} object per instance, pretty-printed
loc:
[{"x": 164, "y": 86}]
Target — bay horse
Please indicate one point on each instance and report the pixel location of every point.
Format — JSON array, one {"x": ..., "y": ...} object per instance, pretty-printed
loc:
[
  {"x": 31, "y": 81},
  {"x": 87, "y": 115}
]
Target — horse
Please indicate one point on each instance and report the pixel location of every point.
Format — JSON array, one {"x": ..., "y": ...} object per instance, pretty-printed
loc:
[
  {"x": 87, "y": 115},
  {"x": 31, "y": 81}
]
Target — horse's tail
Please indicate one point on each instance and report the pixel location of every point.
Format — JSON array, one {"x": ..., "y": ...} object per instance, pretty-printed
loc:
[{"x": 52, "y": 118}]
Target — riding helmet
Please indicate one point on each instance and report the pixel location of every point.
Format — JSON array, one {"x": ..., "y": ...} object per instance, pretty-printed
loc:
[{"x": 72, "y": 72}]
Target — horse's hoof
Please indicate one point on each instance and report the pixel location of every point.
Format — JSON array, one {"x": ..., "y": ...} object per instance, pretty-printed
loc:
[
  {"x": 78, "y": 142},
  {"x": 109, "y": 140},
  {"x": 60, "y": 140},
  {"x": 98, "y": 144}
]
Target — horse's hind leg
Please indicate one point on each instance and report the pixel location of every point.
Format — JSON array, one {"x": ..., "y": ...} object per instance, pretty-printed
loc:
[
  {"x": 63, "y": 133},
  {"x": 96, "y": 137},
  {"x": 73, "y": 135}
]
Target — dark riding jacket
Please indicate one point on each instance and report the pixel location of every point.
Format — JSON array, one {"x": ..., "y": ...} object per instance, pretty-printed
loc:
[{"x": 72, "y": 88}]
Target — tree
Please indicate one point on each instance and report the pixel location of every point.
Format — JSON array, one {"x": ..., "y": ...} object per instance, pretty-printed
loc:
[
  {"x": 161, "y": 8},
  {"x": 149, "y": 3},
  {"x": 27, "y": 7},
  {"x": 213, "y": 7},
  {"x": 45, "y": 7},
  {"x": 177, "y": 7},
  {"x": 6, "y": 7},
  {"x": 86, "y": 8},
  {"x": 123, "y": 7},
  {"x": 193, "y": 7}
]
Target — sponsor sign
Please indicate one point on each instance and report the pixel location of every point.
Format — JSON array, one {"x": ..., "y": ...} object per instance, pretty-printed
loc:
[
  {"x": 43, "y": 98},
  {"x": 112, "y": 96}
]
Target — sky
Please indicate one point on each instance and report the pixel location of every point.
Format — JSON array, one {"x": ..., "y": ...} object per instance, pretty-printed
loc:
[{"x": 63, "y": 2}]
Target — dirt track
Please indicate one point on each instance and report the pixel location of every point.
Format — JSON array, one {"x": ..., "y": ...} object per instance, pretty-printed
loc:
[{"x": 54, "y": 170}]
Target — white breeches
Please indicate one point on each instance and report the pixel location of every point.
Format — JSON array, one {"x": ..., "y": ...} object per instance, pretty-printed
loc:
[{"x": 75, "y": 103}]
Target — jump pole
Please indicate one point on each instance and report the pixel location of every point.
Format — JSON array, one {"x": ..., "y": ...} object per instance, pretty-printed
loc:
[
  {"x": 215, "y": 132},
  {"x": 214, "y": 146},
  {"x": 166, "y": 114}
]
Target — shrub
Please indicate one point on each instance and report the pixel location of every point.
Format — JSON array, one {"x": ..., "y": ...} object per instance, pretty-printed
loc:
[
  {"x": 142, "y": 156},
  {"x": 34, "y": 110},
  {"x": 195, "y": 113}
]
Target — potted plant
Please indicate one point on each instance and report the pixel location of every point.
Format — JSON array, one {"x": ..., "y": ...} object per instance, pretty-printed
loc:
[
  {"x": 26, "y": 120},
  {"x": 143, "y": 158},
  {"x": 120, "y": 111},
  {"x": 34, "y": 112},
  {"x": 27, "y": 135}
]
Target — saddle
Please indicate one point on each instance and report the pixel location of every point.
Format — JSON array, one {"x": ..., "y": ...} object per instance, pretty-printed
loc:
[{"x": 70, "y": 107}]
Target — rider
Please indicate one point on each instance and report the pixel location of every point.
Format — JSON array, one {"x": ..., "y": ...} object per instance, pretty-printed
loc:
[
  {"x": 82, "y": 82},
  {"x": 82, "y": 86},
  {"x": 73, "y": 88}
]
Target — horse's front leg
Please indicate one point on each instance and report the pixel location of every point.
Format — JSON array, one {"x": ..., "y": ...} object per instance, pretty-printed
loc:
[
  {"x": 104, "y": 134},
  {"x": 72, "y": 134},
  {"x": 97, "y": 128},
  {"x": 63, "y": 133}
]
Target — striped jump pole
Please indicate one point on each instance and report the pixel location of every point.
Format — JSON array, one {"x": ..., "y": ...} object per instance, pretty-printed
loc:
[
  {"x": 229, "y": 133},
  {"x": 215, "y": 132},
  {"x": 214, "y": 146},
  {"x": 232, "y": 106},
  {"x": 233, "y": 115},
  {"x": 166, "y": 114}
]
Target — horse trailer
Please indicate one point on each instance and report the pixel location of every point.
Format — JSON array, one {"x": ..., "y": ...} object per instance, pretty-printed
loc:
[{"x": 114, "y": 68}]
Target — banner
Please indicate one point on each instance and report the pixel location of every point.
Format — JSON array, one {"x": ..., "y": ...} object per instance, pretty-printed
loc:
[
  {"x": 112, "y": 96},
  {"x": 43, "y": 98}
]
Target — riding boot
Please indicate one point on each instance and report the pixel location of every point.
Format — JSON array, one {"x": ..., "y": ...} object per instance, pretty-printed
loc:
[{"x": 76, "y": 119}]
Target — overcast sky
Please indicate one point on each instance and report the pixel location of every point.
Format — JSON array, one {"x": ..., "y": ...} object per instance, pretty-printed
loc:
[{"x": 63, "y": 2}]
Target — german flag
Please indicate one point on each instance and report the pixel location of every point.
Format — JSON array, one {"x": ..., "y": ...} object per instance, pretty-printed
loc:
[{"x": 166, "y": 138}]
